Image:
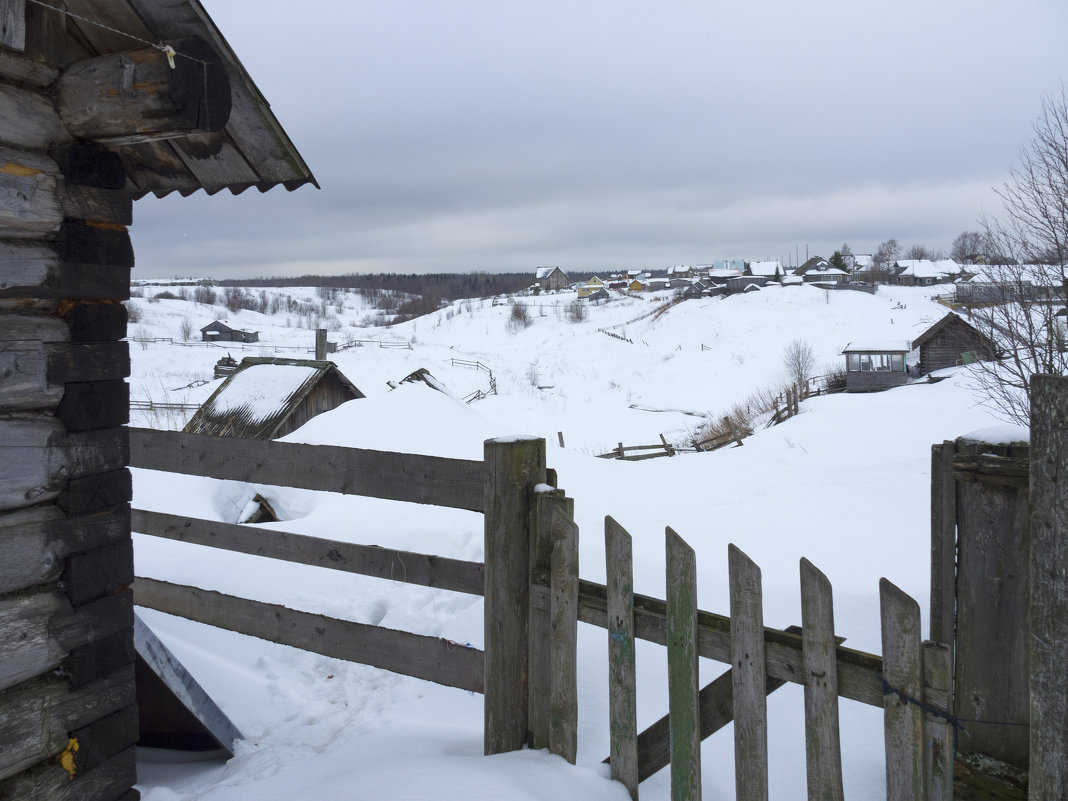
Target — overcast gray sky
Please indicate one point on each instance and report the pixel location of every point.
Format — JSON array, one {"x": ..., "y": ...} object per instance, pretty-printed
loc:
[{"x": 598, "y": 134}]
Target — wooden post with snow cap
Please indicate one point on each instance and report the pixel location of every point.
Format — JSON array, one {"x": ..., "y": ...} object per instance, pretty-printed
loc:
[
  {"x": 320, "y": 344},
  {"x": 513, "y": 467}
]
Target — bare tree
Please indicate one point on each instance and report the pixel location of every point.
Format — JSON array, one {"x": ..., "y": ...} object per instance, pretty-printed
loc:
[
  {"x": 923, "y": 252},
  {"x": 968, "y": 248},
  {"x": 800, "y": 361},
  {"x": 519, "y": 318},
  {"x": 883, "y": 259},
  {"x": 1025, "y": 283},
  {"x": 186, "y": 329}
]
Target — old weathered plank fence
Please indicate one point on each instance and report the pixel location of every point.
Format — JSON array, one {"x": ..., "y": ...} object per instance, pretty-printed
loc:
[{"x": 534, "y": 600}]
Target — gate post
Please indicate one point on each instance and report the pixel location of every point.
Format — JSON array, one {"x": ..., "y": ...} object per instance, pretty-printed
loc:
[
  {"x": 1049, "y": 588},
  {"x": 513, "y": 467}
]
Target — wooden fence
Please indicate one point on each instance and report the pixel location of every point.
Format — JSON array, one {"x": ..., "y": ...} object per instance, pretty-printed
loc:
[
  {"x": 534, "y": 600},
  {"x": 640, "y": 452}
]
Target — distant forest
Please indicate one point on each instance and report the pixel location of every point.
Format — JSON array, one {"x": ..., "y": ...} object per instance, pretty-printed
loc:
[{"x": 447, "y": 286}]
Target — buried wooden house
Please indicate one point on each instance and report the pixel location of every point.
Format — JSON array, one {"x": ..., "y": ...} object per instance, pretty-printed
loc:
[
  {"x": 873, "y": 366},
  {"x": 94, "y": 117},
  {"x": 268, "y": 397},
  {"x": 951, "y": 342},
  {"x": 222, "y": 331}
]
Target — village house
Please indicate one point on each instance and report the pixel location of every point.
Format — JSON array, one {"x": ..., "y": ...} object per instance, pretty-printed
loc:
[
  {"x": 951, "y": 342},
  {"x": 924, "y": 272},
  {"x": 101, "y": 107},
  {"x": 222, "y": 331},
  {"x": 873, "y": 366},
  {"x": 269, "y": 397},
  {"x": 765, "y": 269},
  {"x": 551, "y": 279}
]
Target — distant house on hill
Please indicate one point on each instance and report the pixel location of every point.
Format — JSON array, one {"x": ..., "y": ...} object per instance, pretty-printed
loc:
[
  {"x": 924, "y": 272},
  {"x": 221, "y": 331},
  {"x": 266, "y": 398},
  {"x": 952, "y": 341},
  {"x": 551, "y": 278},
  {"x": 765, "y": 269}
]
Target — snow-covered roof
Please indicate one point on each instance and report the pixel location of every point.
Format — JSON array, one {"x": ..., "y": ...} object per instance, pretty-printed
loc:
[
  {"x": 724, "y": 272},
  {"x": 767, "y": 268},
  {"x": 875, "y": 346},
  {"x": 544, "y": 272},
  {"x": 925, "y": 268}
]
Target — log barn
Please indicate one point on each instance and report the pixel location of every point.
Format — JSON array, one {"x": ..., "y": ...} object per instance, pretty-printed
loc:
[
  {"x": 951, "y": 342},
  {"x": 101, "y": 102}
]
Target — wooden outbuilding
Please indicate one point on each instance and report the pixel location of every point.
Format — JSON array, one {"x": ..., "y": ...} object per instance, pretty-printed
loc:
[
  {"x": 222, "y": 331},
  {"x": 270, "y": 397},
  {"x": 950, "y": 342},
  {"x": 551, "y": 279},
  {"x": 873, "y": 366},
  {"x": 94, "y": 116}
]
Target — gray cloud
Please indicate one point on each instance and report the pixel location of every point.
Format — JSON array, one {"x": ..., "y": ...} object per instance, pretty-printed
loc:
[{"x": 488, "y": 135}]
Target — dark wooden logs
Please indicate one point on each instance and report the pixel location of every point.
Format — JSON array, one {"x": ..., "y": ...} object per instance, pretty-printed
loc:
[
  {"x": 30, "y": 203},
  {"x": 13, "y": 24},
  {"x": 138, "y": 96}
]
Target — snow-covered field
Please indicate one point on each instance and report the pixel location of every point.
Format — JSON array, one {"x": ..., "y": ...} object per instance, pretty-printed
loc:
[{"x": 845, "y": 484}]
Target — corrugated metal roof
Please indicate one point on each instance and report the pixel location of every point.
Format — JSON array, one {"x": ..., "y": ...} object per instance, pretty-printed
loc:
[{"x": 251, "y": 150}]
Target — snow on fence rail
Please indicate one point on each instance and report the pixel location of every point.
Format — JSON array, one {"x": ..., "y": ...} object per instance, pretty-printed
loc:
[{"x": 534, "y": 601}]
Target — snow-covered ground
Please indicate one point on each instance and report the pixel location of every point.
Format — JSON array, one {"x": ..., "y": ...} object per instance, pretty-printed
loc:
[{"x": 845, "y": 484}]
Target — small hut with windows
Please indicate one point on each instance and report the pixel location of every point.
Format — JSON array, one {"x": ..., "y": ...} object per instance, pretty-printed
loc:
[{"x": 873, "y": 366}]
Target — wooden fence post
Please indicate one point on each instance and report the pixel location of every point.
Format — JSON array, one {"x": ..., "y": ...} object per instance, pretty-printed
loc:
[
  {"x": 943, "y": 542},
  {"x": 540, "y": 618},
  {"x": 622, "y": 696},
  {"x": 823, "y": 748},
  {"x": 513, "y": 467},
  {"x": 683, "y": 701},
  {"x": 563, "y": 684},
  {"x": 1049, "y": 588},
  {"x": 939, "y": 746},
  {"x": 750, "y": 678},
  {"x": 903, "y": 672}
]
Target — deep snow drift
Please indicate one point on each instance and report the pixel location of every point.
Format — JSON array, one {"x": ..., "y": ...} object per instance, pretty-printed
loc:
[{"x": 845, "y": 484}]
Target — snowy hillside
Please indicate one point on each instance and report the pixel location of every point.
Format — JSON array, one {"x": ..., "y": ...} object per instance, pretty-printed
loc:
[{"x": 320, "y": 728}]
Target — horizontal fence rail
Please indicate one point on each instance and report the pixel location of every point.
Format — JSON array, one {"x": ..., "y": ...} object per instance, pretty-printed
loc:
[
  {"x": 367, "y": 560},
  {"x": 434, "y": 480},
  {"x": 432, "y": 658}
]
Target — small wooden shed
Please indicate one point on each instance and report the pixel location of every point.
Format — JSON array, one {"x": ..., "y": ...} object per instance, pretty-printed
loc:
[
  {"x": 269, "y": 397},
  {"x": 102, "y": 102},
  {"x": 873, "y": 366},
  {"x": 222, "y": 331},
  {"x": 950, "y": 342}
]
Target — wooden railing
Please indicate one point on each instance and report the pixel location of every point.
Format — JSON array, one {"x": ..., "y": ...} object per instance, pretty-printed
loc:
[{"x": 534, "y": 600}]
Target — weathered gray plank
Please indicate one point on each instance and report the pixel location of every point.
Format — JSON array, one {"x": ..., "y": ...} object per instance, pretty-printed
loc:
[
  {"x": 939, "y": 748},
  {"x": 30, "y": 203},
  {"x": 39, "y": 714},
  {"x": 513, "y": 468},
  {"x": 434, "y": 480},
  {"x": 750, "y": 678},
  {"x": 943, "y": 541},
  {"x": 992, "y": 591},
  {"x": 903, "y": 670},
  {"x": 13, "y": 24},
  {"x": 563, "y": 689},
  {"x": 1049, "y": 588},
  {"x": 26, "y": 70},
  {"x": 38, "y": 629},
  {"x": 430, "y": 658},
  {"x": 540, "y": 617},
  {"x": 48, "y": 782},
  {"x": 683, "y": 702},
  {"x": 858, "y": 671},
  {"x": 823, "y": 750},
  {"x": 367, "y": 560},
  {"x": 622, "y": 693}
]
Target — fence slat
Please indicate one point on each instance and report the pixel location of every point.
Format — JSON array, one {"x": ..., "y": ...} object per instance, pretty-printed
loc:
[
  {"x": 903, "y": 670},
  {"x": 456, "y": 483},
  {"x": 563, "y": 695},
  {"x": 749, "y": 677},
  {"x": 368, "y": 560},
  {"x": 622, "y": 695},
  {"x": 430, "y": 658},
  {"x": 938, "y": 675},
  {"x": 682, "y": 669},
  {"x": 823, "y": 748},
  {"x": 514, "y": 467},
  {"x": 1048, "y": 649},
  {"x": 540, "y": 618},
  {"x": 943, "y": 541}
]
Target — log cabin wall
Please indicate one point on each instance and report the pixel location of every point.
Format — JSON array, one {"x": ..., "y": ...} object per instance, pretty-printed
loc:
[{"x": 68, "y": 721}]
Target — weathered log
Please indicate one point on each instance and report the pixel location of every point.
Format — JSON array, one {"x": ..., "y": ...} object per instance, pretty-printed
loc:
[
  {"x": 24, "y": 341},
  {"x": 18, "y": 68},
  {"x": 34, "y": 270},
  {"x": 94, "y": 321},
  {"x": 30, "y": 204},
  {"x": 13, "y": 24},
  {"x": 138, "y": 96},
  {"x": 30, "y": 120},
  {"x": 97, "y": 205},
  {"x": 89, "y": 164}
]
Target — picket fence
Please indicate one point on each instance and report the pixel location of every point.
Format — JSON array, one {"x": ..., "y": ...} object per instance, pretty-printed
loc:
[{"x": 534, "y": 600}]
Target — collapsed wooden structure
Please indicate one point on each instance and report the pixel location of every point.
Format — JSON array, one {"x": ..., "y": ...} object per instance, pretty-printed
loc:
[{"x": 102, "y": 102}]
